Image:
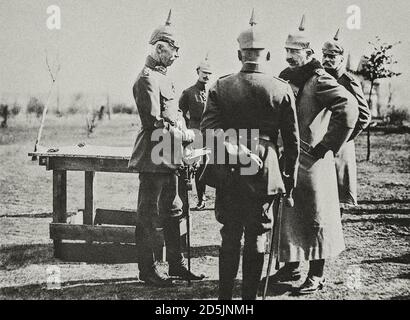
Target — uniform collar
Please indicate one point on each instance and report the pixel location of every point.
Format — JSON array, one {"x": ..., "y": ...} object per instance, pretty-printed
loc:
[
  {"x": 200, "y": 85},
  {"x": 153, "y": 64},
  {"x": 336, "y": 73},
  {"x": 298, "y": 76},
  {"x": 253, "y": 67}
]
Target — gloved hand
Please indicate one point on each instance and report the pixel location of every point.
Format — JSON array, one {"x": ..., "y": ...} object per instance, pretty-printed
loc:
[
  {"x": 289, "y": 183},
  {"x": 319, "y": 151},
  {"x": 188, "y": 135},
  {"x": 289, "y": 202}
]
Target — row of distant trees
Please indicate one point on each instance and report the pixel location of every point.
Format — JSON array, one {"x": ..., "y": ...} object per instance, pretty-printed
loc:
[{"x": 77, "y": 105}]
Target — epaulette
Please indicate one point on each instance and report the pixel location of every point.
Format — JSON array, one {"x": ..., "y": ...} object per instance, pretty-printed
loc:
[
  {"x": 161, "y": 69},
  {"x": 146, "y": 71},
  {"x": 349, "y": 76}
]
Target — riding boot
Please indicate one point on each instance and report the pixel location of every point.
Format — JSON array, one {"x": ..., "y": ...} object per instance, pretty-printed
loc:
[
  {"x": 147, "y": 264},
  {"x": 172, "y": 236},
  {"x": 144, "y": 251},
  {"x": 228, "y": 269},
  {"x": 252, "y": 266}
]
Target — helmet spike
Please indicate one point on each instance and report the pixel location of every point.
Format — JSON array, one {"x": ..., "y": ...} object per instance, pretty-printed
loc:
[
  {"x": 349, "y": 65},
  {"x": 302, "y": 24},
  {"x": 336, "y": 37},
  {"x": 168, "y": 22},
  {"x": 252, "y": 21}
]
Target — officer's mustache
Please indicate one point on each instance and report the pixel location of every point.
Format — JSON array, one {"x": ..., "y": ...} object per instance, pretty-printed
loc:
[{"x": 290, "y": 61}]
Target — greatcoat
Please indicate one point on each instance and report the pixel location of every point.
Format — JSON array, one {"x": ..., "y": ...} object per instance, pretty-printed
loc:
[
  {"x": 327, "y": 114},
  {"x": 345, "y": 159}
]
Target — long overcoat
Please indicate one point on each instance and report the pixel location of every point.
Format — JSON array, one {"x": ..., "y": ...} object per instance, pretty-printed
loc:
[
  {"x": 345, "y": 159},
  {"x": 312, "y": 229}
]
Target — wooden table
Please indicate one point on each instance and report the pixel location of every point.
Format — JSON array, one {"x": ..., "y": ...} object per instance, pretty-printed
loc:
[{"x": 104, "y": 235}]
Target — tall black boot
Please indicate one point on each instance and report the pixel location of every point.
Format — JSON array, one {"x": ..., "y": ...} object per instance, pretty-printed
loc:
[
  {"x": 145, "y": 255},
  {"x": 316, "y": 267},
  {"x": 177, "y": 264},
  {"x": 228, "y": 269},
  {"x": 149, "y": 272},
  {"x": 252, "y": 266}
]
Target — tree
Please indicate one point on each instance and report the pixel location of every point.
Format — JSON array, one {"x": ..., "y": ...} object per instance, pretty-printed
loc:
[{"x": 377, "y": 66}]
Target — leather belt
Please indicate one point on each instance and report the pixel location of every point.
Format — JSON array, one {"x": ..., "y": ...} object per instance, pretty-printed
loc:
[
  {"x": 265, "y": 137},
  {"x": 305, "y": 146}
]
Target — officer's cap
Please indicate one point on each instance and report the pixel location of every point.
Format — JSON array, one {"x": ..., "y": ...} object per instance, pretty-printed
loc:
[
  {"x": 252, "y": 38},
  {"x": 204, "y": 65},
  {"x": 334, "y": 46},
  {"x": 165, "y": 33},
  {"x": 299, "y": 39}
]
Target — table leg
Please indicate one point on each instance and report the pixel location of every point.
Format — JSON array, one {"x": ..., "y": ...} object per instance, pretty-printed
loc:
[
  {"x": 89, "y": 210},
  {"x": 59, "y": 203}
]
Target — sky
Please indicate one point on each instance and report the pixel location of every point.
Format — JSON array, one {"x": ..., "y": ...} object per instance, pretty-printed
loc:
[{"x": 102, "y": 44}]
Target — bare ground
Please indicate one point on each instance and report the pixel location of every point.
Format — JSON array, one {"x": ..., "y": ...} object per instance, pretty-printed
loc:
[{"x": 377, "y": 232}]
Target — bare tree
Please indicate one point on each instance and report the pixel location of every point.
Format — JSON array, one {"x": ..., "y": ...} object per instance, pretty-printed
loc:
[
  {"x": 377, "y": 66},
  {"x": 53, "y": 76}
]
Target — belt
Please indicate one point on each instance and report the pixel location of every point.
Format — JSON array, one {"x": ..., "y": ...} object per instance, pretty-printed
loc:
[
  {"x": 305, "y": 146},
  {"x": 265, "y": 137}
]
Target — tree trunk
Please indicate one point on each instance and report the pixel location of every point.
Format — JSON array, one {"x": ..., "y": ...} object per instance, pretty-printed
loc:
[{"x": 368, "y": 127}]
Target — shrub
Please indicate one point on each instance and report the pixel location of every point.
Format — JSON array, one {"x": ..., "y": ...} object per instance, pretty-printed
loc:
[
  {"x": 122, "y": 108},
  {"x": 396, "y": 116},
  {"x": 77, "y": 104},
  {"x": 15, "y": 109},
  {"x": 35, "y": 106}
]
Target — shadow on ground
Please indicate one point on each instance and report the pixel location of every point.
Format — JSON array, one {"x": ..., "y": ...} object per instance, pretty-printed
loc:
[
  {"x": 363, "y": 211},
  {"x": 16, "y": 256},
  {"x": 405, "y": 259},
  {"x": 128, "y": 289},
  {"x": 275, "y": 289},
  {"x": 122, "y": 289},
  {"x": 212, "y": 250},
  {"x": 384, "y": 201},
  {"x": 404, "y": 276},
  {"x": 398, "y": 221}
]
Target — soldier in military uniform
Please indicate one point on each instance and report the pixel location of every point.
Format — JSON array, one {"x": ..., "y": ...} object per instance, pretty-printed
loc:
[
  {"x": 250, "y": 99},
  {"x": 327, "y": 114},
  {"x": 192, "y": 104},
  {"x": 159, "y": 205},
  {"x": 345, "y": 159}
]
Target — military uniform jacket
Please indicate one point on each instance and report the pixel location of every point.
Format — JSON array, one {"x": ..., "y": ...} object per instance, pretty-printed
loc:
[
  {"x": 154, "y": 95},
  {"x": 192, "y": 104},
  {"x": 312, "y": 229},
  {"x": 253, "y": 99},
  {"x": 345, "y": 159}
]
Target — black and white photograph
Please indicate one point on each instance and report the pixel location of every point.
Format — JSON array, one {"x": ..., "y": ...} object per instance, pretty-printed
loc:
[{"x": 205, "y": 150}]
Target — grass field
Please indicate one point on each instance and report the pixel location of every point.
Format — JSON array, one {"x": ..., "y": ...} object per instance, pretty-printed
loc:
[{"x": 377, "y": 232}]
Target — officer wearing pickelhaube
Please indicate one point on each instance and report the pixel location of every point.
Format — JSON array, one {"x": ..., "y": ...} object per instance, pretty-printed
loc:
[
  {"x": 192, "y": 104},
  {"x": 327, "y": 114},
  {"x": 345, "y": 159},
  {"x": 249, "y": 100},
  {"x": 159, "y": 205}
]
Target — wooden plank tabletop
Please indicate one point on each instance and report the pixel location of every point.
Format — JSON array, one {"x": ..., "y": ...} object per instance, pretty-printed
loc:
[{"x": 86, "y": 151}]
